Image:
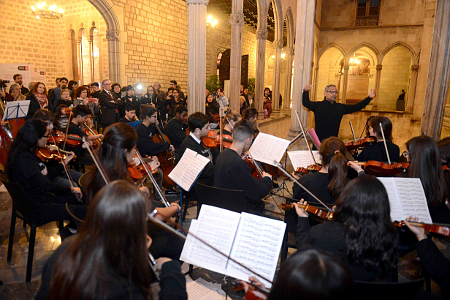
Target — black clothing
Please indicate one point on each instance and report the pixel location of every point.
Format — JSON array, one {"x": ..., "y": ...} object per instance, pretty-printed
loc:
[
  {"x": 434, "y": 262},
  {"x": 211, "y": 109},
  {"x": 79, "y": 151},
  {"x": 35, "y": 106},
  {"x": 328, "y": 115},
  {"x": 133, "y": 100},
  {"x": 175, "y": 133},
  {"x": 330, "y": 237},
  {"x": 125, "y": 120},
  {"x": 378, "y": 152},
  {"x": 232, "y": 172},
  {"x": 439, "y": 214},
  {"x": 145, "y": 144},
  {"x": 172, "y": 281},
  {"x": 109, "y": 109},
  {"x": 24, "y": 90},
  {"x": 47, "y": 197},
  {"x": 151, "y": 99},
  {"x": 68, "y": 103},
  {"x": 317, "y": 182},
  {"x": 207, "y": 175}
]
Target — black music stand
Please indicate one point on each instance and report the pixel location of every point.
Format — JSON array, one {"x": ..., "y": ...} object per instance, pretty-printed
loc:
[{"x": 16, "y": 109}]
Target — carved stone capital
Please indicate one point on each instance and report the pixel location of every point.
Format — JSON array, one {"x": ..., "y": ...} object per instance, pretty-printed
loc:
[
  {"x": 112, "y": 35},
  {"x": 278, "y": 44},
  {"x": 204, "y": 2},
  {"x": 379, "y": 67},
  {"x": 415, "y": 68},
  {"x": 261, "y": 34},
  {"x": 237, "y": 19}
]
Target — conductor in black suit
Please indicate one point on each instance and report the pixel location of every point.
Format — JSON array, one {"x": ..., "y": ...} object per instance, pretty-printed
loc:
[{"x": 109, "y": 105}]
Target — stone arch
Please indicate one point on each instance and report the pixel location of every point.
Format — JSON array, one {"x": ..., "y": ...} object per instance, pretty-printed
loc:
[
  {"x": 290, "y": 28},
  {"x": 329, "y": 70},
  {"x": 278, "y": 14},
  {"x": 112, "y": 35},
  {"x": 371, "y": 47},
  {"x": 331, "y": 45},
  {"x": 414, "y": 55}
]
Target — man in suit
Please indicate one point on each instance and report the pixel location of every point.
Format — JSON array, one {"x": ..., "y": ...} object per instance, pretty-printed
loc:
[
  {"x": 55, "y": 94},
  {"x": 109, "y": 105}
]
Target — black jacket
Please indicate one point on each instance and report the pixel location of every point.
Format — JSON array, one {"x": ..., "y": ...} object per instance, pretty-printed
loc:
[
  {"x": 35, "y": 106},
  {"x": 109, "y": 108},
  {"x": 145, "y": 143}
]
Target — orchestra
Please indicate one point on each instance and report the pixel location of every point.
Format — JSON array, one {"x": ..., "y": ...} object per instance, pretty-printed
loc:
[{"x": 339, "y": 213}]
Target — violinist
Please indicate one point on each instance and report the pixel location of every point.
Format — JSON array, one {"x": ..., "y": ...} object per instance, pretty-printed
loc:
[
  {"x": 212, "y": 108},
  {"x": 80, "y": 115},
  {"x": 232, "y": 172},
  {"x": 425, "y": 163},
  {"x": 108, "y": 259},
  {"x": 199, "y": 127},
  {"x": 175, "y": 127},
  {"x": 115, "y": 154},
  {"x": 48, "y": 197},
  {"x": 146, "y": 130},
  {"x": 362, "y": 234},
  {"x": 377, "y": 151},
  {"x": 231, "y": 118}
]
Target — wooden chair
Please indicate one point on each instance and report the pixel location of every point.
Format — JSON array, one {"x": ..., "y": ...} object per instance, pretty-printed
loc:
[{"x": 23, "y": 209}]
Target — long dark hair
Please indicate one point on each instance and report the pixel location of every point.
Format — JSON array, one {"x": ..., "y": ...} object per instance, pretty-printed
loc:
[
  {"x": 312, "y": 274},
  {"x": 332, "y": 152},
  {"x": 110, "y": 248},
  {"x": 385, "y": 123},
  {"x": 25, "y": 140},
  {"x": 118, "y": 138},
  {"x": 370, "y": 236},
  {"x": 426, "y": 164}
]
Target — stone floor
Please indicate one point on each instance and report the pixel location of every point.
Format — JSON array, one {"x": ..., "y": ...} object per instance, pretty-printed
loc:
[{"x": 48, "y": 239}]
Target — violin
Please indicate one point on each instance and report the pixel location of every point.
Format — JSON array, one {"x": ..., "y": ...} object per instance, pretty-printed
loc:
[
  {"x": 51, "y": 152},
  {"x": 433, "y": 228},
  {"x": 379, "y": 168},
  {"x": 302, "y": 171},
  {"x": 360, "y": 143},
  {"x": 73, "y": 140},
  {"x": 136, "y": 170},
  {"x": 91, "y": 131},
  {"x": 321, "y": 213},
  {"x": 166, "y": 158},
  {"x": 253, "y": 293},
  {"x": 212, "y": 140}
]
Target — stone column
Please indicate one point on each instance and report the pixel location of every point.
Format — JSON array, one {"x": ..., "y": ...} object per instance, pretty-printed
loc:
[
  {"x": 236, "y": 22},
  {"x": 344, "y": 87},
  {"x": 287, "y": 90},
  {"x": 261, "y": 37},
  {"x": 412, "y": 88},
  {"x": 377, "y": 87},
  {"x": 438, "y": 73},
  {"x": 196, "y": 55},
  {"x": 277, "y": 46},
  {"x": 112, "y": 36},
  {"x": 303, "y": 58}
]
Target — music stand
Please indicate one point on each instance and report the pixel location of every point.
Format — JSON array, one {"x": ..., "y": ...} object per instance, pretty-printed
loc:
[{"x": 16, "y": 109}]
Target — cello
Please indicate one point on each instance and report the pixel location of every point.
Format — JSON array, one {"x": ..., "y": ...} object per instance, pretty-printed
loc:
[{"x": 166, "y": 158}]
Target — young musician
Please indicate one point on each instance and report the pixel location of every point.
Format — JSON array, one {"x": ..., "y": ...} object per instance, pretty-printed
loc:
[
  {"x": 233, "y": 173},
  {"x": 48, "y": 197},
  {"x": 130, "y": 114},
  {"x": 146, "y": 130},
  {"x": 175, "y": 127},
  {"x": 199, "y": 126},
  {"x": 231, "y": 118},
  {"x": 362, "y": 234},
  {"x": 115, "y": 154},
  {"x": 377, "y": 151},
  {"x": 425, "y": 163},
  {"x": 108, "y": 259}
]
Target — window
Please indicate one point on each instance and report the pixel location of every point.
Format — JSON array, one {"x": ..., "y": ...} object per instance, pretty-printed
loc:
[{"x": 367, "y": 12}]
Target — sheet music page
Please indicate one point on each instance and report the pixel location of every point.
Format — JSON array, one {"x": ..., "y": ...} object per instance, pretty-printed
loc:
[
  {"x": 266, "y": 148},
  {"x": 217, "y": 227},
  {"x": 302, "y": 158},
  {"x": 394, "y": 200},
  {"x": 196, "y": 290},
  {"x": 412, "y": 199},
  {"x": 188, "y": 168},
  {"x": 257, "y": 246}
]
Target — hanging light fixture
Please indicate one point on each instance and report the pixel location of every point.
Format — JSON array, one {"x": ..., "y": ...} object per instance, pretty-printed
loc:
[
  {"x": 44, "y": 11},
  {"x": 211, "y": 22}
]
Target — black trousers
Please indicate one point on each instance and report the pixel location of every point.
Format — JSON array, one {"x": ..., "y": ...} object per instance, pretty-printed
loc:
[{"x": 57, "y": 211}]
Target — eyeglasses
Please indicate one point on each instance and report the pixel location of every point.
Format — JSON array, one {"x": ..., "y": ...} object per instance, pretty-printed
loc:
[
  {"x": 333, "y": 92},
  {"x": 153, "y": 117}
]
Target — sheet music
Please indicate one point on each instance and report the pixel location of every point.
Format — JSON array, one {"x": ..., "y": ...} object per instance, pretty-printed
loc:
[
  {"x": 195, "y": 290},
  {"x": 188, "y": 168},
  {"x": 217, "y": 227},
  {"x": 266, "y": 148},
  {"x": 303, "y": 158},
  {"x": 406, "y": 198},
  {"x": 257, "y": 246}
]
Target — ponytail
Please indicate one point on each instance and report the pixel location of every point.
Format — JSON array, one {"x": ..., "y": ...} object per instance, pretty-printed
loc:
[{"x": 337, "y": 174}]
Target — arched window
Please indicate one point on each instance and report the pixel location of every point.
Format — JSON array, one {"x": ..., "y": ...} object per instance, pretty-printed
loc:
[
  {"x": 95, "y": 55},
  {"x": 367, "y": 12},
  {"x": 84, "y": 57}
]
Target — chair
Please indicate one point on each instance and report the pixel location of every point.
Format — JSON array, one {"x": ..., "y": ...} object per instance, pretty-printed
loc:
[
  {"x": 392, "y": 290},
  {"x": 233, "y": 200},
  {"x": 82, "y": 182},
  {"x": 23, "y": 209},
  {"x": 78, "y": 222}
]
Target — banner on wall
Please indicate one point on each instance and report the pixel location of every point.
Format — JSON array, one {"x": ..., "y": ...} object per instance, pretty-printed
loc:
[{"x": 29, "y": 73}]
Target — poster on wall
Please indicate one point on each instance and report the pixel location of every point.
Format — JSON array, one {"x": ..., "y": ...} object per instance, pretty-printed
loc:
[{"x": 29, "y": 73}]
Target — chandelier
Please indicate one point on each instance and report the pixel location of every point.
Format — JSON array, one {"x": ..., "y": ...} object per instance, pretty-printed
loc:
[
  {"x": 44, "y": 11},
  {"x": 355, "y": 61},
  {"x": 211, "y": 22}
]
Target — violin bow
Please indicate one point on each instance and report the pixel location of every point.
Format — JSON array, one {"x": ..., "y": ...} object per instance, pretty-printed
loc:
[
  {"x": 255, "y": 163},
  {"x": 385, "y": 145},
  {"x": 67, "y": 130},
  {"x": 353, "y": 132},
  {"x": 90, "y": 130},
  {"x": 152, "y": 178},
  {"x": 304, "y": 136},
  {"x": 151, "y": 217},
  {"x": 97, "y": 163},
  {"x": 64, "y": 165},
  {"x": 279, "y": 166}
]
